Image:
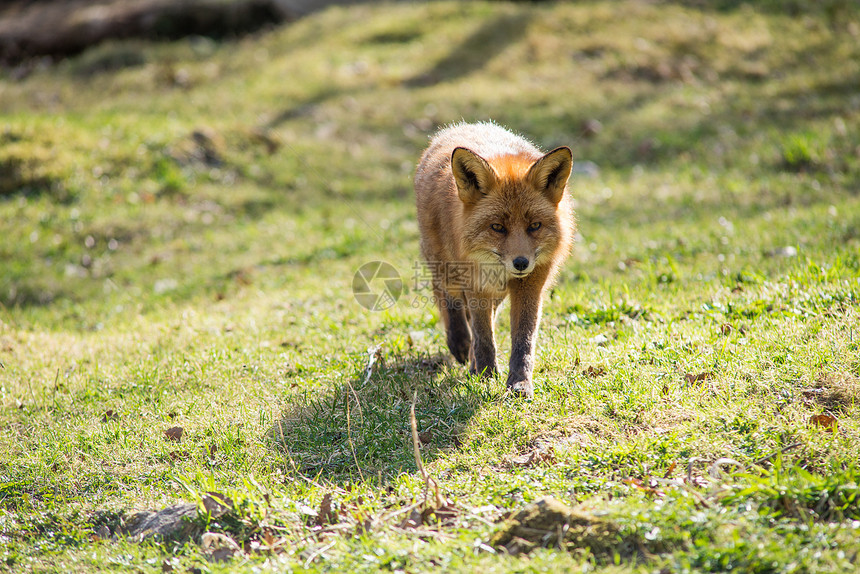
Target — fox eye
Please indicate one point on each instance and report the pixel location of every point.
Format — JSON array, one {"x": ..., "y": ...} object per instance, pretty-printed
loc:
[
  {"x": 498, "y": 228},
  {"x": 534, "y": 226}
]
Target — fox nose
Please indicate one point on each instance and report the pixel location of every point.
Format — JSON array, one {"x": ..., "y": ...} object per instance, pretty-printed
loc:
[{"x": 520, "y": 263}]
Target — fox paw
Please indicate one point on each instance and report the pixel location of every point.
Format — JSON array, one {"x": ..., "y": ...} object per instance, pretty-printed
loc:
[
  {"x": 521, "y": 387},
  {"x": 460, "y": 352},
  {"x": 459, "y": 345}
]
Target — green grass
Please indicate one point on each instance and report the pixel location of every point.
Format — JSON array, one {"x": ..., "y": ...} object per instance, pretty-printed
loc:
[{"x": 181, "y": 223}]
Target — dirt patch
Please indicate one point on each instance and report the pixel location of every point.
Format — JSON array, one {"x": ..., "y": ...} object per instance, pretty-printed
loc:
[
  {"x": 576, "y": 432},
  {"x": 834, "y": 391},
  {"x": 549, "y": 522},
  {"x": 172, "y": 522}
]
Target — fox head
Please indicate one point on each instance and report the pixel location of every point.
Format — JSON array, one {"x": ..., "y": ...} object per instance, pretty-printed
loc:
[{"x": 513, "y": 209}]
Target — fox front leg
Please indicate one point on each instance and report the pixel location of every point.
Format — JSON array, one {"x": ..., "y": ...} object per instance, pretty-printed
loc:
[
  {"x": 456, "y": 327},
  {"x": 482, "y": 355},
  {"x": 525, "y": 318}
]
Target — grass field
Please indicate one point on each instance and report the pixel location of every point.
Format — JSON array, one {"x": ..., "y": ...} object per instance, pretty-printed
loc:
[{"x": 181, "y": 223}]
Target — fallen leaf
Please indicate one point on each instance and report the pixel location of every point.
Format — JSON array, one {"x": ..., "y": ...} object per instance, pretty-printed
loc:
[
  {"x": 829, "y": 422},
  {"x": 443, "y": 516},
  {"x": 210, "y": 540},
  {"x": 110, "y": 415},
  {"x": 217, "y": 504},
  {"x": 533, "y": 457},
  {"x": 669, "y": 470},
  {"x": 174, "y": 433},
  {"x": 363, "y": 526},
  {"x": 647, "y": 489},
  {"x": 218, "y": 547},
  {"x": 593, "y": 371},
  {"x": 690, "y": 378},
  {"x": 327, "y": 514},
  {"x": 446, "y": 514},
  {"x": 413, "y": 520}
]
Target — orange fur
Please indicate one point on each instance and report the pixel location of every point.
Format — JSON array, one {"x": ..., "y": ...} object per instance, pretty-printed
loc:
[{"x": 496, "y": 209}]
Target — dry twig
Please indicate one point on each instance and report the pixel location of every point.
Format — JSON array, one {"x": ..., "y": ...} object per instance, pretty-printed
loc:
[{"x": 428, "y": 480}]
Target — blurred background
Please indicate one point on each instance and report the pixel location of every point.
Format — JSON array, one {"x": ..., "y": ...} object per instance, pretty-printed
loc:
[{"x": 193, "y": 148}]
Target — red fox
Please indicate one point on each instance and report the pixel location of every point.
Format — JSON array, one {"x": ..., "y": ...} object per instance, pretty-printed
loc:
[{"x": 496, "y": 219}]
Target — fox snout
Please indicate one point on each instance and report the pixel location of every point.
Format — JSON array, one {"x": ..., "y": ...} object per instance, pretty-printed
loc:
[
  {"x": 520, "y": 266},
  {"x": 519, "y": 250}
]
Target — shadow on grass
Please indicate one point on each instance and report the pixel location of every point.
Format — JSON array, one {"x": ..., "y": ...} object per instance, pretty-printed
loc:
[
  {"x": 361, "y": 429},
  {"x": 473, "y": 53}
]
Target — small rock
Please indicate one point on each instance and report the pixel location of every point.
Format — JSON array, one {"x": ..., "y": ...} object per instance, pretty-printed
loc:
[{"x": 172, "y": 521}]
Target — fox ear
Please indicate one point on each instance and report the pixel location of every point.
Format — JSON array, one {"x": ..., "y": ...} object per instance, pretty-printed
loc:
[
  {"x": 549, "y": 174},
  {"x": 473, "y": 175}
]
